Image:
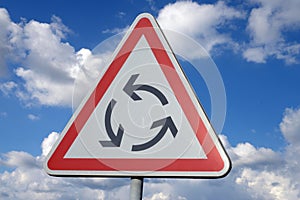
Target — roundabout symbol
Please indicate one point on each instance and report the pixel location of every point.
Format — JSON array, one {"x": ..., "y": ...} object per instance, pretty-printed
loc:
[
  {"x": 195, "y": 153},
  {"x": 165, "y": 123}
]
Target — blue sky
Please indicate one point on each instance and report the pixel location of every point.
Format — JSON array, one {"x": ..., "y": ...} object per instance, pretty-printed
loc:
[{"x": 255, "y": 45}]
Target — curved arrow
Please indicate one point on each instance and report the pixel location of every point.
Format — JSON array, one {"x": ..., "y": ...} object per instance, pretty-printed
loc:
[
  {"x": 166, "y": 123},
  {"x": 130, "y": 89},
  {"x": 115, "y": 140}
]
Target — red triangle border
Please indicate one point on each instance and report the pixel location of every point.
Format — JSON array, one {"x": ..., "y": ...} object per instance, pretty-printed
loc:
[{"x": 214, "y": 161}]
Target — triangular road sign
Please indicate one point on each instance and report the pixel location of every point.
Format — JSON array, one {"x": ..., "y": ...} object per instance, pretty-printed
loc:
[{"x": 142, "y": 118}]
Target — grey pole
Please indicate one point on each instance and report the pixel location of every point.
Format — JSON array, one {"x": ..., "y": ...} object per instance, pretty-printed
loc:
[{"x": 136, "y": 188}]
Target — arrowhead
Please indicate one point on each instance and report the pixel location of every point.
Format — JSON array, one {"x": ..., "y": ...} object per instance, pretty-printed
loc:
[
  {"x": 129, "y": 88},
  {"x": 166, "y": 123},
  {"x": 115, "y": 140}
]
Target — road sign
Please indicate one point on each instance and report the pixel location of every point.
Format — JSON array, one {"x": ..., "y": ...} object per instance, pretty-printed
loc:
[{"x": 142, "y": 118}]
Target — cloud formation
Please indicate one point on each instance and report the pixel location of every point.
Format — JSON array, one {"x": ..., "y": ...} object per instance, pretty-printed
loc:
[
  {"x": 46, "y": 63},
  {"x": 7, "y": 32},
  {"x": 290, "y": 126},
  {"x": 201, "y": 22},
  {"x": 267, "y": 27},
  {"x": 269, "y": 24},
  {"x": 279, "y": 179},
  {"x": 47, "y": 66}
]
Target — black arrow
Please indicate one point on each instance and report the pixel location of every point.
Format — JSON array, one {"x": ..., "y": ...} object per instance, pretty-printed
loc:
[
  {"x": 115, "y": 140},
  {"x": 130, "y": 89},
  {"x": 166, "y": 123}
]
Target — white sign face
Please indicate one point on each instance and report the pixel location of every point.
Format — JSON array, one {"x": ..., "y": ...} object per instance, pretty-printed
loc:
[
  {"x": 141, "y": 119},
  {"x": 155, "y": 103}
]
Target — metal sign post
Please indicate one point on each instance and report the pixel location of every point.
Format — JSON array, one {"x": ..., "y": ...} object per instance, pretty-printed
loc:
[{"x": 136, "y": 188}]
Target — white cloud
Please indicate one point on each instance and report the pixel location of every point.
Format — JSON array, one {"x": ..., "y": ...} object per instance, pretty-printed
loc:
[
  {"x": 199, "y": 21},
  {"x": 290, "y": 125},
  {"x": 33, "y": 117},
  {"x": 290, "y": 128},
  {"x": 269, "y": 185},
  {"x": 245, "y": 154},
  {"x": 162, "y": 196},
  {"x": 7, "y": 32},
  {"x": 3, "y": 46},
  {"x": 268, "y": 25},
  {"x": 91, "y": 67},
  {"x": 47, "y": 62},
  {"x": 19, "y": 159},
  {"x": 275, "y": 179},
  {"x": 49, "y": 142},
  {"x": 7, "y": 87},
  {"x": 34, "y": 184},
  {"x": 48, "y": 66},
  {"x": 255, "y": 55}
]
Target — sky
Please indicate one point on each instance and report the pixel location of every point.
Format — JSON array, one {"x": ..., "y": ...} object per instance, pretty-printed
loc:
[{"x": 254, "y": 44}]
